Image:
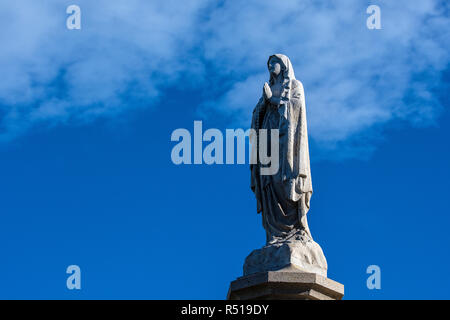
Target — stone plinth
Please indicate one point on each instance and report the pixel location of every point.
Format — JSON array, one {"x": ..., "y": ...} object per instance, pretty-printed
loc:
[
  {"x": 278, "y": 285},
  {"x": 303, "y": 255}
]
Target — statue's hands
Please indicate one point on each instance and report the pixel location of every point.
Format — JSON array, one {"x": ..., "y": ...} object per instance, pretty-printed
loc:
[{"x": 267, "y": 92}]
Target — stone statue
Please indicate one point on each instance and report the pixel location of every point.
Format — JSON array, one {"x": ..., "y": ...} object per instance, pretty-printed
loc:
[{"x": 283, "y": 198}]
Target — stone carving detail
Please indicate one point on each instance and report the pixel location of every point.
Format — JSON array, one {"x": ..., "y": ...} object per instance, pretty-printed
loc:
[{"x": 283, "y": 198}]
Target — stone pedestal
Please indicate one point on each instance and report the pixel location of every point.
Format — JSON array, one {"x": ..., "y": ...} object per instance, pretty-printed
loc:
[
  {"x": 279, "y": 285},
  {"x": 301, "y": 255}
]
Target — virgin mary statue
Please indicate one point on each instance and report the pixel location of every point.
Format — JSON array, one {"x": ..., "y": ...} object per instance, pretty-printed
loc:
[{"x": 283, "y": 198}]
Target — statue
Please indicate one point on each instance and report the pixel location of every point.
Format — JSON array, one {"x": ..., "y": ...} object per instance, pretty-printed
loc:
[
  {"x": 283, "y": 198},
  {"x": 291, "y": 265}
]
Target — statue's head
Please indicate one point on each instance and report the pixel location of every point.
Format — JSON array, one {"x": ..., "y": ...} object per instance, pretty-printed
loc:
[
  {"x": 280, "y": 64},
  {"x": 274, "y": 66}
]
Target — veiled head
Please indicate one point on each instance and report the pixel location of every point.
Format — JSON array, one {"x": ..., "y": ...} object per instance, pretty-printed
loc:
[
  {"x": 275, "y": 66},
  {"x": 279, "y": 63}
]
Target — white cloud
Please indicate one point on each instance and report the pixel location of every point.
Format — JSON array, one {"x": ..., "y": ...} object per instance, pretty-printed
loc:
[
  {"x": 355, "y": 79},
  {"x": 126, "y": 50}
]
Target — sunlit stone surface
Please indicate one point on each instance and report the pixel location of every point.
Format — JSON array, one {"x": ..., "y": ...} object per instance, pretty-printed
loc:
[{"x": 279, "y": 269}]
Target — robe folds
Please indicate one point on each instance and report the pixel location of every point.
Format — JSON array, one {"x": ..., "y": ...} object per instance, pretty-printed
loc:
[{"x": 283, "y": 198}]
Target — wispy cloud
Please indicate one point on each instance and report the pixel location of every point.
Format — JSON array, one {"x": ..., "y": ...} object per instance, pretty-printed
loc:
[
  {"x": 125, "y": 51},
  {"x": 355, "y": 79}
]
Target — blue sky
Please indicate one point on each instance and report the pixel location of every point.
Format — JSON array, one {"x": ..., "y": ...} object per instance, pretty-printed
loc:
[{"x": 85, "y": 123}]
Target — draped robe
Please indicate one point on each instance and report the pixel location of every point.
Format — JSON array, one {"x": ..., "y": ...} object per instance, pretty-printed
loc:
[{"x": 283, "y": 198}]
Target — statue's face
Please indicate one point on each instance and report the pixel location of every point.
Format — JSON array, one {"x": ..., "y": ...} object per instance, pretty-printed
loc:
[{"x": 275, "y": 66}]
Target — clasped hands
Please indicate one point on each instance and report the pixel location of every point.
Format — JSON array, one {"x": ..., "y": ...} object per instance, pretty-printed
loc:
[{"x": 268, "y": 96}]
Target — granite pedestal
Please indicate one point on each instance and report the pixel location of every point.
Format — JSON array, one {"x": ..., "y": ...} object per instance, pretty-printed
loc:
[{"x": 279, "y": 285}]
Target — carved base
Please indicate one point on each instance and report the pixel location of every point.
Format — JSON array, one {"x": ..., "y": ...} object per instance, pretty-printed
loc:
[
  {"x": 291, "y": 256},
  {"x": 277, "y": 285}
]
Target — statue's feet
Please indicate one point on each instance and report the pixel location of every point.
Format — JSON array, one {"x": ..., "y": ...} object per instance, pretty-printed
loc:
[{"x": 302, "y": 235}]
